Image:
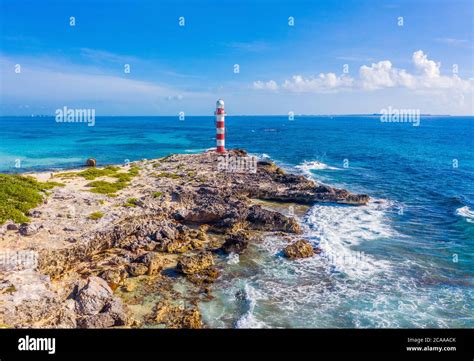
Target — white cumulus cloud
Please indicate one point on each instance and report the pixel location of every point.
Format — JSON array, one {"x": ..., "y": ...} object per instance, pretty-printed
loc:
[
  {"x": 426, "y": 77},
  {"x": 321, "y": 83},
  {"x": 270, "y": 85},
  {"x": 378, "y": 75},
  {"x": 426, "y": 66}
]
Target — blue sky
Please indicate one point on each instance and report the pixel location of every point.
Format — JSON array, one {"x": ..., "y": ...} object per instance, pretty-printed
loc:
[{"x": 282, "y": 68}]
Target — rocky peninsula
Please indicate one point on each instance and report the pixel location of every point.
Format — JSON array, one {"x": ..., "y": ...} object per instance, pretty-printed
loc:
[{"x": 139, "y": 245}]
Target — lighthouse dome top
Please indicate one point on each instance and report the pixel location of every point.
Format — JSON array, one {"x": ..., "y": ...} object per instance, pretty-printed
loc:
[{"x": 220, "y": 104}]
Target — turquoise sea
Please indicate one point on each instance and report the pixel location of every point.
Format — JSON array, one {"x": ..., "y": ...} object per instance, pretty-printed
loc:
[{"x": 404, "y": 260}]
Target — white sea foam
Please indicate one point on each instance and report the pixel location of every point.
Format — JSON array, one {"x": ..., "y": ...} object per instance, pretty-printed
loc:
[
  {"x": 337, "y": 229},
  {"x": 317, "y": 291},
  {"x": 339, "y": 273},
  {"x": 366, "y": 290},
  {"x": 248, "y": 319},
  {"x": 467, "y": 213},
  {"x": 307, "y": 167},
  {"x": 260, "y": 156},
  {"x": 233, "y": 258}
]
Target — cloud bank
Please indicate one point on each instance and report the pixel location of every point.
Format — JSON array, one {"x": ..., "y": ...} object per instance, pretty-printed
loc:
[{"x": 380, "y": 75}]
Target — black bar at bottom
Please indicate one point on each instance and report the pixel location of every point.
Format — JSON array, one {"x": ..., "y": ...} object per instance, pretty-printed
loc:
[{"x": 410, "y": 342}]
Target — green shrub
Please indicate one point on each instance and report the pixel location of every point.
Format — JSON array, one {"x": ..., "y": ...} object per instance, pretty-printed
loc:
[
  {"x": 19, "y": 194},
  {"x": 167, "y": 175},
  {"x": 131, "y": 202},
  {"x": 96, "y": 215},
  {"x": 51, "y": 185},
  {"x": 134, "y": 171},
  {"x": 109, "y": 188},
  {"x": 93, "y": 173},
  {"x": 123, "y": 177}
]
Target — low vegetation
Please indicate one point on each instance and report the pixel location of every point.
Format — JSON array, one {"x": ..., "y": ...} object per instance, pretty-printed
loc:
[
  {"x": 66, "y": 175},
  {"x": 19, "y": 194},
  {"x": 131, "y": 202},
  {"x": 93, "y": 173},
  {"x": 105, "y": 187},
  {"x": 167, "y": 175},
  {"x": 96, "y": 215}
]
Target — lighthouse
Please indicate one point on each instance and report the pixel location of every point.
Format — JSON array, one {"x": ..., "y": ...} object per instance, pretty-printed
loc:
[{"x": 220, "y": 128}]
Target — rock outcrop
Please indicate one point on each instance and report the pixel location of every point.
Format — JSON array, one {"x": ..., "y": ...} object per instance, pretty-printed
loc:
[
  {"x": 27, "y": 229},
  {"x": 175, "y": 215},
  {"x": 236, "y": 242},
  {"x": 172, "y": 316},
  {"x": 152, "y": 261},
  {"x": 97, "y": 307},
  {"x": 193, "y": 264},
  {"x": 299, "y": 249}
]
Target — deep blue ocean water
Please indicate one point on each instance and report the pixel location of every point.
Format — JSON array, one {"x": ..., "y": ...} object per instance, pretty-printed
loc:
[{"x": 404, "y": 260}]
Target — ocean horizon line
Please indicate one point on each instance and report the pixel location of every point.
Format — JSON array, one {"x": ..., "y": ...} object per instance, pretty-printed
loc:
[{"x": 241, "y": 115}]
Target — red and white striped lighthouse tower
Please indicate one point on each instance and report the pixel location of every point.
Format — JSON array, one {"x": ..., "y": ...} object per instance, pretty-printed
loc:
[{"x": 220, "y": 128}]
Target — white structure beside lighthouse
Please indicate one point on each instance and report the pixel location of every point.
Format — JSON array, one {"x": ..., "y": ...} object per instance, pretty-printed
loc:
[{"x": 220, "y": 126}]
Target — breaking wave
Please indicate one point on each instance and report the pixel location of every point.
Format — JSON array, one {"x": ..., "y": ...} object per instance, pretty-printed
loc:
[
  {"x": 233, "y": 258},
  {"x": 336, "y": 229},
  {"x": 307, "y": 167},
  {"x": 467, "y": 213},
  {"x": 248, "y": 319}
]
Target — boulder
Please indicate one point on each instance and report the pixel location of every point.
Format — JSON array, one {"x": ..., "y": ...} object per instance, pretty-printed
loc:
[
  {"x": 113, "y": 276},
  {"x": 34, "y": 213},
  {"x": 28, "y": 229},
  {"x": 137, "y": 269},
  {"x": 92, "y": 298},
  {"x": 168, "y": 232},
  {"x": 195, "y": 263},
  {"x": 176, "y": 316},
  {"x": 113, "y": 314},
  {"x": 12, "y": 227},
  {"x": 66, "y": 317},
  {"x": 266, "y": 220},
  {"x": 173, "y": 246},
  {"x": 91, "y": 162},
  {"x": 204, "y": 277},
  {"x": 153, "y": 261},
  {"x": 70, "y": 229},
  {"x": 236, "y": 242},
  {"x": 181, "y": 240},
  {"x": 299, "y": 249},
  {"x": 96, "y": 306}
]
